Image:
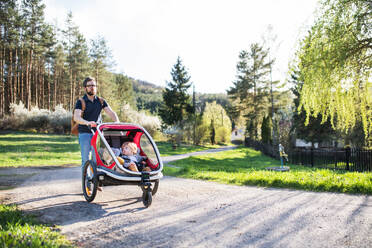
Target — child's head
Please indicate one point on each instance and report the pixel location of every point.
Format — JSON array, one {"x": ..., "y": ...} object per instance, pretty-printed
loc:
[{"x": 129, "y": 148}]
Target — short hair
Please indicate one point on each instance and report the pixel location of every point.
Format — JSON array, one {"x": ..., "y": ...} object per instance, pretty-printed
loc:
[
  {"x": 131, "y": 145},
  {"x": 88, "y": 79}
]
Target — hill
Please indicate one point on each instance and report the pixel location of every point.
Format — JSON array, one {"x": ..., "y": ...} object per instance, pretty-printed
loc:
[{"x": 149, "y": 97}]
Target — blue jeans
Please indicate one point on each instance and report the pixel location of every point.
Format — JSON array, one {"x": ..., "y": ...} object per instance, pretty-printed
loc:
[{"x": 85, "y": 147}]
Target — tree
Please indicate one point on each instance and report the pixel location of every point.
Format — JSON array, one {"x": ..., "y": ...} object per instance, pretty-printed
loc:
[
  {"x": 76, "y": 49},
  {"x": 252, "y": 86},
  {"x": 33, "y": 15},
  {"x": 219, "y": 123},
  {"x": 36, "y": 68},
  {"x": 123, "y": 94},
  {"x": 266, "y": 130},
  {"x": 176, "y": 100},
  {"x": 100, "y": 56},
  {"x": 335, "y": 63},
  {"x": 316, "y": 130}
]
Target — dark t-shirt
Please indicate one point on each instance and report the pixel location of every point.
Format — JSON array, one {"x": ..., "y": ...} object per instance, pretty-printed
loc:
[{"x": 92, "y": 111}]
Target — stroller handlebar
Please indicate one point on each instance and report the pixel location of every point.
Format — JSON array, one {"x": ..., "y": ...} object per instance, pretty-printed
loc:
[{"x": 90, "y": 126}]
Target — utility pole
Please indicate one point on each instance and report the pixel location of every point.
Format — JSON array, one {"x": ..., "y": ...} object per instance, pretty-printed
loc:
[{"x": 272, "y": 102}]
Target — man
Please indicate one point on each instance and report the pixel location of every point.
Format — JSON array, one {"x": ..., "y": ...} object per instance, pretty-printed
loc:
[{"x": 92, "y": 112}]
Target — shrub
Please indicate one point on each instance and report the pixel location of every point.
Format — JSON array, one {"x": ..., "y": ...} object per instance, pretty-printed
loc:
[
  {"x": 149, "y": 122},
  {"x": 60, "y": 120},
  {"x": 41, "y": 120},
  {"x": 223, "y": 135}
]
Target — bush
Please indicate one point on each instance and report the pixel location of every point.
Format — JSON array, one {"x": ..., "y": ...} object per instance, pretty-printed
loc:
[
  {"x": 41, "y": 120},
  {"x": 60, "y": 120},
  {"x": 223, "y": 135},
  {"x": 149, "y": 122}
]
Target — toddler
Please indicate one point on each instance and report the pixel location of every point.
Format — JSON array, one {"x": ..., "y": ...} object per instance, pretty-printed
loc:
[{"x": 132, "y": 160}]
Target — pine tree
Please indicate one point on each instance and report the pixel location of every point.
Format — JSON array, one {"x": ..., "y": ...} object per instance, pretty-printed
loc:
[
  {"x": 176, "y": 100},
  {"x": 251, "y": 89},
  {"x": 33, "y": 14},
  {"x": 266, "y": 130},
  {"x": 100, "y": 56}
]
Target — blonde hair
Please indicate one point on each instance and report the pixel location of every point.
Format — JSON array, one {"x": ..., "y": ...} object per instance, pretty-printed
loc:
[{"x": 131, "y": 145}]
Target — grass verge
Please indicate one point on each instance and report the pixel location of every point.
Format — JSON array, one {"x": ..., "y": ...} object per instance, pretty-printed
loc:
[
  {"x": 166, "y": 149},
  {"x": 245, "y": 166},
  {"x": 29, "y": 149},
  {"x": 19, "y": 230}
]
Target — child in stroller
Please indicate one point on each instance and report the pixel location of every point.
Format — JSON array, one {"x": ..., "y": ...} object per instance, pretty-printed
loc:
[{"x": 130, "y": 159}]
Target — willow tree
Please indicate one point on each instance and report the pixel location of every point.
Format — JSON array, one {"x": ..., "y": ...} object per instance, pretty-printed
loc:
[{"x": 335, "y": 63}]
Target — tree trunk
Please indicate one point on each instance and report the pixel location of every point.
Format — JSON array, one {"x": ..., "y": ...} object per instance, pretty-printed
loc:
[
  {"x": 10, "y": 72},
  {"x": 21, "y": 74},
  {"x": 28, "y": 83},
  {"x": 48, "y": 84},
  {"x": 71, "y": 90},
  {"x": 55, "y": 88},
  {"x": 16, "y": 76},
  {"x": 36, "y": 83},
  {"x": 42, "y": 81},
  {"x": 2, "y": 85}
]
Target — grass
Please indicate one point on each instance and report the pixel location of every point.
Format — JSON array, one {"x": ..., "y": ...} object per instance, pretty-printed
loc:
[
  {"x": 28, "y": 149},
  {"x": 245, "y": 166},
  {"x": 165, "y": 148},
  {"x": 19, "y": 149},
  {"x": 19, "y": 230}
]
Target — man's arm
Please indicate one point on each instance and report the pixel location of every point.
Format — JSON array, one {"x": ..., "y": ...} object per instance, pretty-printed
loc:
[
  {"x": 80, "y": 120},
  {"x": 111, "y": 113}
]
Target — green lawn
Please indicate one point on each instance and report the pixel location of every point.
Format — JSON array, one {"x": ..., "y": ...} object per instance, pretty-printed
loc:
[
  {"x": 18, "y": 230},
  {"x": 165, "y": 148},
  {"x": 245, "y": 166},
  {"x": 29, "y": 149}
]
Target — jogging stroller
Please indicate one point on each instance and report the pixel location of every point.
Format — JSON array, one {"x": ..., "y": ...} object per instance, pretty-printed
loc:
[{"x": 105, "y": 169}]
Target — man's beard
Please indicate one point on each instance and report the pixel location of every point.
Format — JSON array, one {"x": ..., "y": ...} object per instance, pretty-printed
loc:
[{"x": 90, "y": 93}]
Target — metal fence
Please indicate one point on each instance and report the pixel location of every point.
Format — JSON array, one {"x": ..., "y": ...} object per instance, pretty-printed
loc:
[
  {"x": 266, "y": 149},
  {"x": 343, "y": 159},
  {"x": 331, "y": 158}
]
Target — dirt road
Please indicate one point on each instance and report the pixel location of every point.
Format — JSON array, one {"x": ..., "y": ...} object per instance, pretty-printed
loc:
[{"x": 190, "y": 213}]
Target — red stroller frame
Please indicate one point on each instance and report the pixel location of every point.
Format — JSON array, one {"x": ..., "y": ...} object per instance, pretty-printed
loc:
[{"x": 100, "y": 172}]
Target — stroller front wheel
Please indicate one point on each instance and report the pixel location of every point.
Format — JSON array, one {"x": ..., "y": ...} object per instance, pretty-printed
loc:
[
  {"x": 89, "y": 181},
  {"x": 147, "y": 198},
  {"x": 156, "y": 186}
]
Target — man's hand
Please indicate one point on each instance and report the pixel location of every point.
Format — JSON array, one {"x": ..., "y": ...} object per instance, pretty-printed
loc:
[{"x": 92, "y": 124}]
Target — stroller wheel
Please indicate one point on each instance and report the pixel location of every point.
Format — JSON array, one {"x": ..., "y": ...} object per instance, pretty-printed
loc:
[
  {"x": 89, "y": 181},
  {"x": 156, "y": 186},
  {"x": 147, "y": 198}
]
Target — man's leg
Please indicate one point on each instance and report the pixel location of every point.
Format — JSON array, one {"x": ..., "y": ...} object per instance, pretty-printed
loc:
[{"x": 85, "y": 147}]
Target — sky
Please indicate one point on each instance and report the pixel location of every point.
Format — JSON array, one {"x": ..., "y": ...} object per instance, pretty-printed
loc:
[{"x": 147, "y": 36}]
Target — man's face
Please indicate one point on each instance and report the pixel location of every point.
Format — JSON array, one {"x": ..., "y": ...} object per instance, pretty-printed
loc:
[{"x": 91, "y": 88}]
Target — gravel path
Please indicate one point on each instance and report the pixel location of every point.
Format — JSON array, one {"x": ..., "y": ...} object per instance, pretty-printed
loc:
[{"x": 191, "y": 213}]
